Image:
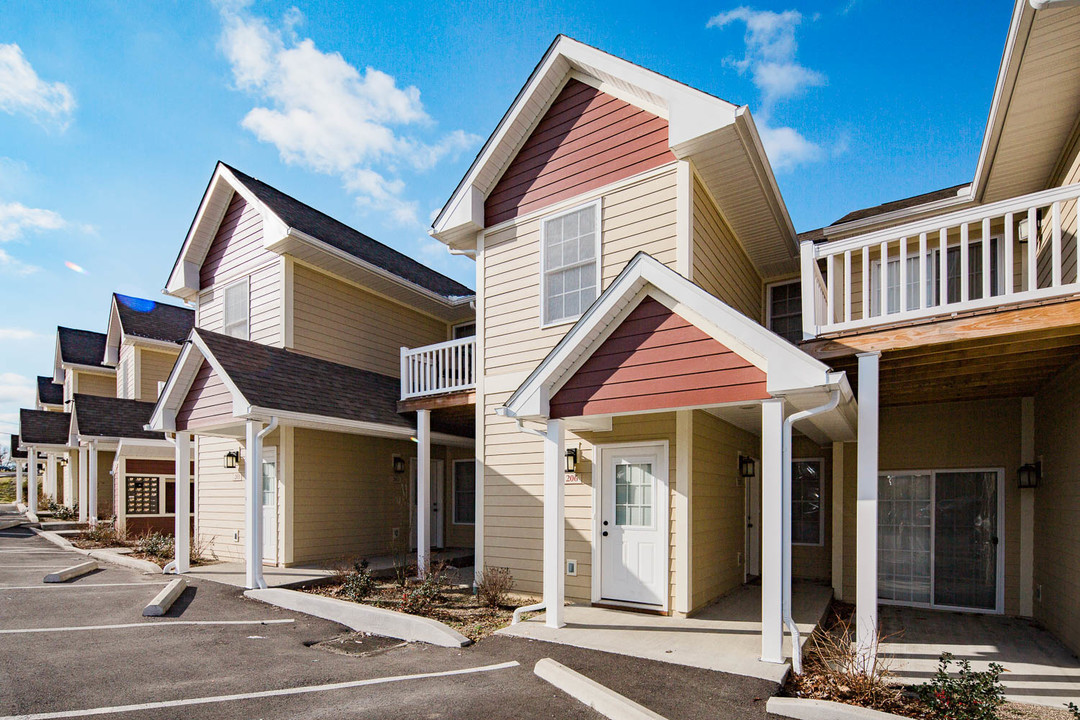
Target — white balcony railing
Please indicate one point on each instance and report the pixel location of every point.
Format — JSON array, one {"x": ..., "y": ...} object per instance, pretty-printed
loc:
[
  {"x": 935, "y": 267},
  {"x": 435, "y": 369}
]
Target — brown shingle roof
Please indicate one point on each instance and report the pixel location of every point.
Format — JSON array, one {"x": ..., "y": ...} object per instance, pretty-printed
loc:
[
  {"x": 154, "y": 320},
  {"x": 15, "y": 451},
  {"x": 114, "y": 417},
  {"x": 81, "y": 347},
  {"x": 49, "y": 392},
  {"x": 40, "y": 427},
  {"x": 902, "y": 204}
]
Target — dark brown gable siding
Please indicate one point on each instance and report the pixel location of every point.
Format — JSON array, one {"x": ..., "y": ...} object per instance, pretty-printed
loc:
[
  {"x": 208, "y": 402},
  {"x": 143, "y": 466},
  {"x": 657, "y": 360},
  {"x": 586, "y": 140},
  {"x": 238, "y": 242}
]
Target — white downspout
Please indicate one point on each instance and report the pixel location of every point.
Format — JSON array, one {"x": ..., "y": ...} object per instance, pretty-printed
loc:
[
  {"x": 796, "y": 647},
  {"x": 171, "y": 565}
]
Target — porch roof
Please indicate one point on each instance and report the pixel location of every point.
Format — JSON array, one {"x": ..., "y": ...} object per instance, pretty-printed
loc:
[
  {"x": 114, "y": 418},
  {"x": 41, "y": 427},
  {"x": 15, "y": 451},
  {"x": 787, "y": 371},
  {"x": 49, "y": 392}
]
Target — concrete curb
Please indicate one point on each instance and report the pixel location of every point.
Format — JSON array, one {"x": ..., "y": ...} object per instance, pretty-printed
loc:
[
  {"x": 72, "y": 572},
  {"x": 803, "y": 709},
  {"x": 602, "y": 699},
  {"x": 144, "y": 566},
  {"x": 164, "y": 599},
  {"x": 363, "y": 618}
]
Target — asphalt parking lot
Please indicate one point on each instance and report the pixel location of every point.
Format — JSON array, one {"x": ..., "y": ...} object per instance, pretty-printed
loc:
[{"x": 82, "y": 649}]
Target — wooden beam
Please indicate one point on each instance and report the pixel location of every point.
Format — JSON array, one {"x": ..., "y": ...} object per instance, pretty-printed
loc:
[{"x": 437, "y": 402}]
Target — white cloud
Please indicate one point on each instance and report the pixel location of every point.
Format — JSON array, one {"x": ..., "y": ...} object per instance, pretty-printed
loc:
[
  {"x": 324, "y": 114},
  {"x": 50, "y": 104},
  {"x": 13, "y": 266},
  {"x": 16, "y": 390},
  {"x": 9, "y": 334},
  {"x": 16, "y": 219},
  {"x": 770, "y": 60}
]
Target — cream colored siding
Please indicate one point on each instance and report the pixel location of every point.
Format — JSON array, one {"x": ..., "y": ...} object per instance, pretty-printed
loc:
[
  {"x": 814, "y": 562},
  {"x": 94, "y": 384},
  {"x": 154, "y": 367},
  {"x": 219, "y": 498},
  {"x": 265, "y": 295},
  {"x": 635, "y": 217},
  {"x": 975, "y": 434},
  {"x": 1057, "y": 505},
  {"x": 720, "y": 264},
  {"x": 718, "y": 506},
  {"x": 342, "y": 323},
  {"x": 125, "y": 372}
]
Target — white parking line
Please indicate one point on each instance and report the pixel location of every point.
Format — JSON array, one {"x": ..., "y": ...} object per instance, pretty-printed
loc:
[
  {"x": 256, "y": 695},
  {"x": 65, "y": 586},
  {"x": 158, "y": 624}
]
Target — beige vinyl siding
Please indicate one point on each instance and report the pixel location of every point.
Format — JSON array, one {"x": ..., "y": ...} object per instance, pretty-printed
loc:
[
  {"x": 718, "y": 506},
  {"x": 635, "y": 217},
  {"x": 95, "y": 384},
  {"x": 347, "y": 499},
  {"x": 974, "y": 434},
  {"x": 219, "y": 498},
  {"x": 1057, "y": 505},
  {"x": 154, "y": 367},
  {"x": 720, "y": 265},
  {"x": 125, "y": 372},
  {"x": 342, "y": 323},
  {"x": 266, "y": 300},
  {"x": 814, "y": 562}
]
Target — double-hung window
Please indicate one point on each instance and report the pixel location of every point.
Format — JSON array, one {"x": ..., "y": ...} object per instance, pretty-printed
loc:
[
  {"x": 785, "y": 310},
  {"x": 807, "y": 518},
  {"x": 235, "y": 310},
  {"x": 570, "y": 263},
  {"x": 464, "y": 492}
]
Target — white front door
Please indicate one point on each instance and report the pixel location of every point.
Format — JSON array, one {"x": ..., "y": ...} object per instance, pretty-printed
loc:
[
  {"x": 633, "y": 524},
  {"x": 269, "y": 505},
  {"x": 436, "y": 494}
]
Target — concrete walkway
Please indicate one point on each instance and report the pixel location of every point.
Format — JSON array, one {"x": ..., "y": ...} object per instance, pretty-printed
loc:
[
  {"x": 725, "y": 636},
  {"x": 233, "y": 573},
  {"x": 1040, "y": 669}
]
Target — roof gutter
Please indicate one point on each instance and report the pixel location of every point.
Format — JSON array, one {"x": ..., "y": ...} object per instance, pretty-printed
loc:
[{"x": 1044, "y": 4}]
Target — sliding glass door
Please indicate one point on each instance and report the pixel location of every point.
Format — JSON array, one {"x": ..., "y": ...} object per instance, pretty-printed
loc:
[{"x": 938, "y": 538}]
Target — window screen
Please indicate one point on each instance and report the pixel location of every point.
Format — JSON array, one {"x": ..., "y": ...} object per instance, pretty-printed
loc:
[
  {"x": 235, "y": 310},
  {"x": 785, "y": 311},
  {"x": 142, "y": 495},
  {"x": 806, "y": 502},
  {"x": 570, "y": 264},
  {"x": 465, "y": 493}
]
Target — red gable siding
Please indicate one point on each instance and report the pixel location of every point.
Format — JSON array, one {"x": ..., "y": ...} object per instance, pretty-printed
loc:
[
  {"x": 238, "y": 242},
  {"x": 586, "y": 140},
  {"x": 208, "y": 402},
  {"x": 657, "y": 360}
]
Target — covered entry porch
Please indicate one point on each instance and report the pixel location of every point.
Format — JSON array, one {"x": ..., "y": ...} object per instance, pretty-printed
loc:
[{"x": 674, "y": 409}]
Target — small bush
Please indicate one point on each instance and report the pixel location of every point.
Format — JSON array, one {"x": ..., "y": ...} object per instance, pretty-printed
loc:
[
  {"x": 63, "y": 512},
  {"x": 358, "y": 585},
  {"x": 1073, "y": 710},
  {"x": 969, "y": 695},
  {"x": 156, "y": 545},
  {"x": 419, "y": 598},
  {"x": 493, "y": 585},
  {"x": 104, "y": 532},
  {"x": 201, "y": 550}
]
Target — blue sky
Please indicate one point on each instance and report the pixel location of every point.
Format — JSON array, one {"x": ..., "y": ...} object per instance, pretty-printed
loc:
[{"x": 112, "y": 115}]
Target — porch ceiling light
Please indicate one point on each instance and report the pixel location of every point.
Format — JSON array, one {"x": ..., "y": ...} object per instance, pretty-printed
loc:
[
  {"x": 232, "y": 459},
  {"x": 399, "y": 464},
  {"x": 571, "y": 459},
  {"x": 746, "y": 467},
  {"x": 63, "y": 461},
  {"x": 1028, "y": 476}
]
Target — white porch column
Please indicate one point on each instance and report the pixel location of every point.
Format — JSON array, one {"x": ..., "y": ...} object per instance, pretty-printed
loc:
[
  {"x": 253, "y": 550},
  {"x": 772, "y": 521},
  {"x": 423, "y": 491},
  {"x": 18, "y": 482},
  {"x": 92, "y": 483},
  {"x": 50, "y": 475},
  {"x": 1027, "y": 510},
  {"x": 182, "y": 531},
  {"x": 32, "y": 484},
  {"x": 554, "y": 524},
  {"x": 69, "y": 484},
  {"x": 84, "y": 485},
  {"x": 866, "y": 519}
]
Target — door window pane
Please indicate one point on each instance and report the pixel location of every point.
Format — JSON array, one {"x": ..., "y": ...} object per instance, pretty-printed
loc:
[
  {"x": 965, "y": 539},
  {"x": 806, "y": 502},
  {"x": 465, "y": 493},
  {"x": 269, "y": 482},
  {"x": 904, "y": 504},
  {"x": 634, "y": 494}
]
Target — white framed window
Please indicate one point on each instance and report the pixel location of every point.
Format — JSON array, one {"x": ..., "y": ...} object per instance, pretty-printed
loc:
[
  {"x": 236, "y": 307},
  {"x": 783, "y": 312},
  {"x": 807, "y": 502},
  {"x": 569, "y": 263},
  {"x": 464, "y": 492},
  {"x": 464, "y": 330},
  {"x": 933, "y": 277}
]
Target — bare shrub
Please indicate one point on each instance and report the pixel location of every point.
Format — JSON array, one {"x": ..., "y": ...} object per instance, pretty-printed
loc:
[
  {"x": 201, "y": 550},
  {"x": 419, "y": 598},
  {"x": 106, "y": 534},
  {"x": 493, "y": 585},
  {"x": 155, "y": 544}
]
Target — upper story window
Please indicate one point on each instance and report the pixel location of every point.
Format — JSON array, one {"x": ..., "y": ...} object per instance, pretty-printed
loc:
[
  {"x": 932, "y": 285},
  {"x": 235, "y": 310},
  {"x": 569, "y": 263},
  {"x": 464, "y": 330},
  {"x": 785, "y": 310}
]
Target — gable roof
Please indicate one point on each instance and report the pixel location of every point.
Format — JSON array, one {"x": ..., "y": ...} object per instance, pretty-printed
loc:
[
  {"x": 41, "y": 427},
  {"x": 914, "y": 201},
  {"x": 297, "y": 229},
  {"x": 80, "y": 347},
  {"x": 49, "y": 392},
  {"x": 153, "y": 320},
  {"x": 106, "y": 417},
  {"x": 719, "y": 136},
  {"x": 14, "y": 448}
]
